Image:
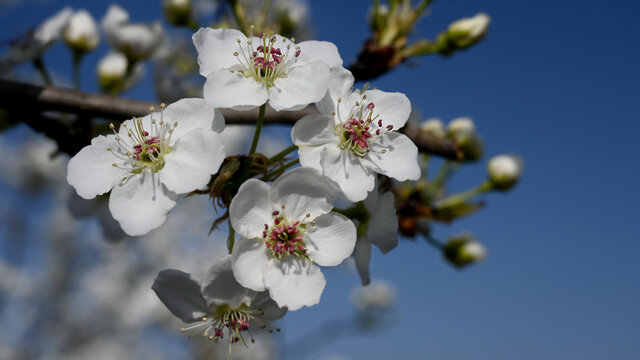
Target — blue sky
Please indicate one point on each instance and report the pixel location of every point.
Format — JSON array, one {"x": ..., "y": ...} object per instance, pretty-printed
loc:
[{"x": 556, "y": 82}]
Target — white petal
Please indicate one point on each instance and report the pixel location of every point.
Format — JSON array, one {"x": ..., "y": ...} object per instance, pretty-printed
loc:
[
  {"x": 221, "y": 286},
  {"x": 251, "y": 209},
  {"x": 393, "y": 108},
  {"x": 91, "y": 172},
  {"x": 319, "y": 51},
  {"x": 354, "y": 180},
  {"x": 302, "y": 191},
  {"x": 216, "y": 47},
  {"x": 362, "y": 257},
  {"x": 382, "y": 229},
  {"x": 294, "y": 282},
  {"x": 270, "y": 310},
  {"x": 195, "y": 157},
  {"x": 141, "y": 203},
  {"x": 193, "y": 113},
  {"x": 225, "y": 89},
  {"x": 331, "y": 239},
  {"x": 341, "y": 85},
  {"x": 303, "y": 85},
  {"x": 400, "y": 161},
  {"x": 180, "y": 293},
  {"x": 310, "y": 156},
  {"x": 314, "y": 129},
  {"x": 248, "y": 260}
]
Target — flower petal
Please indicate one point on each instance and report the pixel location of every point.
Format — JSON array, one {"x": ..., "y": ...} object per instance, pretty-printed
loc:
[
  {"x": 216, "y": 47},
  {"x": 141, "y": 203},
  {"x": 303, "y": 85},
  {"x": 251, "y": 209},
  {"x": 310, "y": 156},
  {"x": 193, "y": 113},
  {"x": 180, "y": 293},
  {"x": 393, "y": 108},
  {"x": 270, "y": 310},
  {"x": 249, "y": 258},
  {"x": 331, "y": 239},
  {"x": 400, "y": 159},
  {"x": 382, "y": 229},
  {"x": 91, "y": 172},
  {"x": 221, "y": 286},
  {"x": 362, "y": 257},
  {"x": 195, "y": 157},
  {"x": 314, "y": 129},
  {"x": 224, "y": 89},
  {"x": 354, "y": 180},
  {"x": 323, "y": 51},
  {"x": 294, "y": 282},
  {"x": 302, "y": 191},
  {"x": 341, "y": 85}
]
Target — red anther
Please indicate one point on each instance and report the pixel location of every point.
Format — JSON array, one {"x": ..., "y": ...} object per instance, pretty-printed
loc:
[
  {"x": 370, "y": 106},
  {"x": 273, "y": 39},
  {"x": 277, "y": 221},
  {"x": 261, "y": 35},
  {"x": 254, "y": 54},
  {"x": 218, "y": 333},
  {"x": 278, "y": 51},
  {"x": 389, "y": 127},
  {"x": 145, "y": 133},
  {"x": 366, "y": 134},
  {"x": 377, "y": 131},
  {"x": 275, "y": 213},
  {"x": 264, "y": 234},
  {"x": 297, "y": 53},
  {"x": 260, "y": 48},
  {"x": 380, "y": 122}
]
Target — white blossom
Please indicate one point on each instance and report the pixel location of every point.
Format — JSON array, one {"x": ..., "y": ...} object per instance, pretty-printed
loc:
[
  {"x": 287, "y": 230},
  {"x": 354, "y": 137},
  {"x": 243, "y": 73},
  {"x": 475, "y": 27},
  {"x": 381, "y": 229},
  {"x": 114, "y": 75},
  {"x": 505, "y": 171},
  {"x": 379, "y": 295},
  {"x": 218, "y": 305},
  {"x": 149, "y": 161},
  {"x": 81, "y": 33},
  {"x": 136, "y": 41},
  {"x": 35, "y": 43}
]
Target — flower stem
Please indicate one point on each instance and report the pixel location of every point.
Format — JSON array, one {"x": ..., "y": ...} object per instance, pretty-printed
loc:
[
  {"x": 232, "y": 236},
  {"x": 282, "y": 154},
  {"x": 282, "y": 169},
  {"x": 239, "y": 14},
  {"x": 77, "y": 60},
  {"x": 438, "y": 180},
  {"x": 42, "y": 69},
  {"x": 256, "y": 135},
  {"x": 433, "y": 242},
  {"x": 464, "y": 196}
]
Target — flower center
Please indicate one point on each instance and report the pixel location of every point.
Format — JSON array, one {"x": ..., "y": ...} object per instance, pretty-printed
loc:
[
  {"x": 266, "y": 62},
  {"x": 362, "y": 128},
  {"x": 285, "y": 238},
  {"x": 143, "y": 149}
]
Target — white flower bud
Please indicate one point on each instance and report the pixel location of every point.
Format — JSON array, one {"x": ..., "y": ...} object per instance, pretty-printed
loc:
[
  {"x": 112, "y": 72},
  {"x": 378, "y": 295},
  {"x": 177, "y": 12},
  {"x": 463, "y": 249},
  {"x": 470, "y": 30},
  {"x": 434, "y": 127},
  {"x": 461, "y": 125},
  {"x": 136, "y": 41},
  {"x": 81, "y": 34},
  {"x": 505, "y": 171}
]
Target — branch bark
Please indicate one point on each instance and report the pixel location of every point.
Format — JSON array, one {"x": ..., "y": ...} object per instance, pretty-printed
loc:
[{"x": 20, "y": 98}]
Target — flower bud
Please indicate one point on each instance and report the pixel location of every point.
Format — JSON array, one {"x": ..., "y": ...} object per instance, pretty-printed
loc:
[
  {"x": 461, "y": 125},
  {"x": 463, "y": 249},
  {"x": 505, "y": 171},
  {"x": 177, "y": 12},
  {"x": 112, "y": 72},
  {"x": 463, "y": 132},
  {"x": 434, "y": 127},
  {"x": 136, "y": 41},
  {"x": 468, "y": 31},
  {"x": 81, "y": 34}
]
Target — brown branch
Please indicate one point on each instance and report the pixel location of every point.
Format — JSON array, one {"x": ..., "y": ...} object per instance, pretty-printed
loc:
[{"x": 22, "y": 98}]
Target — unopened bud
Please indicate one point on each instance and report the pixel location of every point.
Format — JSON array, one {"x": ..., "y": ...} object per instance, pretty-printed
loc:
[
  {"x": 505, "y": 171},
  {"x": 468, "y": 31},
  {"x": 81, "y": 34},
  {"x": 463, "y": 132},
  {"x": 177, "y": 12},
  {"x": 112, "y": 72},
  {"x": 463, "y": 249},
  {"x": 461, "y": 125},
  {"x": 434, "y": 127}
]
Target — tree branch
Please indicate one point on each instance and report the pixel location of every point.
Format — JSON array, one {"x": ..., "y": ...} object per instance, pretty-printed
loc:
[{"x": 20, "y": 98}]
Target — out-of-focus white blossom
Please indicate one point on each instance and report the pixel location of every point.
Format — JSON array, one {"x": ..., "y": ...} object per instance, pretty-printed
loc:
[
  {"x": 470, "y": 30},
  {"x": 81, "y": 33},
  {"x": 505, "y": 171},
  {"x": 136, "y": 41},
  {"x": 434, "y": 127},
  {"x": 379, "y": 295}
]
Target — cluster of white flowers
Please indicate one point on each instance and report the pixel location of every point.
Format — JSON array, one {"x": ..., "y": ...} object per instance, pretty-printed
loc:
[{"x": 286, "y": 229}]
